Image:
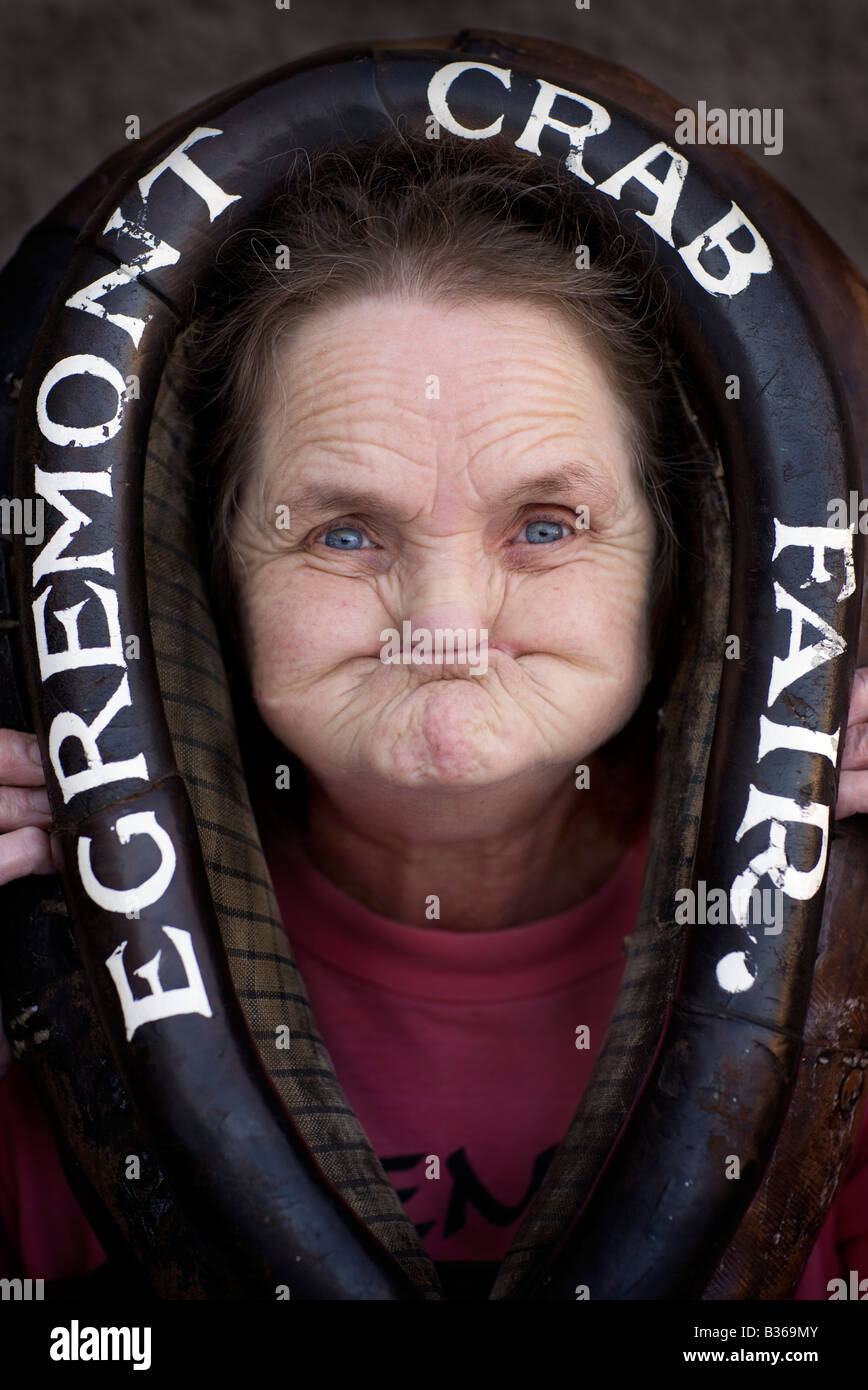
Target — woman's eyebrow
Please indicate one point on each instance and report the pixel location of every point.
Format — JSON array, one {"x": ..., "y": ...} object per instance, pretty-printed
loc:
[
  {"x": 574, "y": 479},
  {"x": 325, "y": 497}
]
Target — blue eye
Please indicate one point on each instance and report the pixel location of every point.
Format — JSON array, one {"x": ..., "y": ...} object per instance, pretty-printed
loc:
[
  {"x": 538, "y": 532},
  {"x": 344, "y": 538}
]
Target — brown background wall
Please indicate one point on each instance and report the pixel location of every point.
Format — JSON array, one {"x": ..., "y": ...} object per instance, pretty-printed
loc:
[{"x": 77, "y": 68}]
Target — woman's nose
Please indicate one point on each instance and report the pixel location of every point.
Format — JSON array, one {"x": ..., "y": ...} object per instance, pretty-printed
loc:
[
  {"x": 446, "y": 634},
  {"x": 441, "y": 616}
]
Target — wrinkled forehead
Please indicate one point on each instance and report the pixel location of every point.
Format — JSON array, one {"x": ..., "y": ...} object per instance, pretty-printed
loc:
[{"x": 494, "y": 392}]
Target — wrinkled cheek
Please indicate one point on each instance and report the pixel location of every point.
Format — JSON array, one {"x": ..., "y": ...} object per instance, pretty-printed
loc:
[
  {"x": 601, "y": 618},
  {"x": 282, "y": 652},
  {"x": 292, "y": 640},
  {"x": 629, "y": 648},
  {"x": 273, "y": 638},
  {"x": 615, "y": 633}
]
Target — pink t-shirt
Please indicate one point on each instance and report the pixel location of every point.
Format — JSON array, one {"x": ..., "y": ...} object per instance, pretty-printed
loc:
[
  {"x": 462, "y": 1047},
  {"x": 458, "y": 1053}
]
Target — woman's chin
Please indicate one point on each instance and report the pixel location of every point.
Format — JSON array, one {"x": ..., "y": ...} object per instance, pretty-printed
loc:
[
  {"x": 441, "y": 733},
  {"x": 449, "y": 765}
]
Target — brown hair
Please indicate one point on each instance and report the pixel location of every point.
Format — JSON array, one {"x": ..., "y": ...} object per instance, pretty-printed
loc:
[{"x": 440, "y": 220}]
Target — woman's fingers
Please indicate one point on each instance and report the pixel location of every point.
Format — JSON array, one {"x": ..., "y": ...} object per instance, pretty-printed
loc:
[
  {"x": 21, "y": 806},
  {"x": 25, "y": 813},
  {"x": 855, "y": 747},
  {"x": 23, "y": 852},
  {"x": 859, "y": 697},
  {"x": 25, "y": 816},
  {"x": 853, "y": 782},
  {"x": 20, "y": 763},
  {"x": 852, "y": 794},
  {"x": 855, "y": 757}
]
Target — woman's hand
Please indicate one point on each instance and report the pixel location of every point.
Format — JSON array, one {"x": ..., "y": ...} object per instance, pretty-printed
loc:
[
  {"x": 853, "y": 785},
  {"x": 25, "y": 817}
]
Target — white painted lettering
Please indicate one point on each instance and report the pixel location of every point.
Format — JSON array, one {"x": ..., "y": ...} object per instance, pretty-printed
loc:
[
  {"x": 800, "y": 660},
  {"x": 819, "y": 539},
  {"x": 157, "y": 254},
  {"x": 84, "y": 436},
  {"x": 743, "y": 265},
  {"x": 667, "y": 191},
  {"x": 52, "y": 487},
  {"x": 189, "y": 173},
  {"x": 541, "y": 116},
  {"x": 438, "y": 98},
  {"x": 153, "y": 888},
  {"x": 97, "y": 773},
  {"x": 779, "y": 811},
  {"x": 73, "y": 656},
  {"x": 160, "y": 1003}
]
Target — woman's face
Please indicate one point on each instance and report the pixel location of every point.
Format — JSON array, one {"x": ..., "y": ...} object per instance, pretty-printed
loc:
[{"x": 439, "y": 464}]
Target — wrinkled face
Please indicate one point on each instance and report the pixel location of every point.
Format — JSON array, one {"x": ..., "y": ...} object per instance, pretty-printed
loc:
[{"x": 450, "y": 468}]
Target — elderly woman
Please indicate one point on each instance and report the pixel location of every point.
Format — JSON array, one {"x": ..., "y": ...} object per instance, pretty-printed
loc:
[{"x": 440, "y": 508}]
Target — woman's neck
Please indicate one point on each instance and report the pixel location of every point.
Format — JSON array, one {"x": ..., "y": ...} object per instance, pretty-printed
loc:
[{"x": 437, "y": 871}]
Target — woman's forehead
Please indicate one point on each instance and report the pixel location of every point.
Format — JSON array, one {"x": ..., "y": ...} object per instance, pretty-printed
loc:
[
  {"x": 390, "y": 332},
  {"x": 498, "y": 388}
]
